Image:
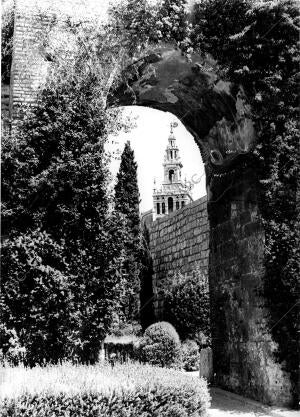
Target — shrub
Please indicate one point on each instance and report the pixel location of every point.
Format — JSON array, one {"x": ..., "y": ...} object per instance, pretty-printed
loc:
[
  {"x": 190, "y": 355},
  {"x": 11, "y": 350},
  {"x": 186, "y": 305},
  {"x": 131, "y": 390},
  {"x": 35, "y": 299},
  {"x": 160, "y": 345}
]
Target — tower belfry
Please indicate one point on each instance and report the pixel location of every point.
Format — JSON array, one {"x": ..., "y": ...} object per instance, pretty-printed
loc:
[{"x": 173, "y": 194}]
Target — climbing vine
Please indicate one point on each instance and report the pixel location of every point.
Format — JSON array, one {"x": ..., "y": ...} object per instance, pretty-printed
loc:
[
  {"x": 256, "y": 45},
  {"x": 7, "y": 30},
  {"x": 143, "y": 23}
]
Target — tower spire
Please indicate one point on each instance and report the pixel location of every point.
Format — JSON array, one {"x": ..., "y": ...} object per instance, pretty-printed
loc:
[
  {"x": 174, "y": 193},
  {"x": 172, "y": 125}
]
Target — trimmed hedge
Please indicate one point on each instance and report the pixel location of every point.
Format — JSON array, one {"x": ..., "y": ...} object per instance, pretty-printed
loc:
[
  {"x": 131, "y": 390},
  {"x": 160, "y": 345}
]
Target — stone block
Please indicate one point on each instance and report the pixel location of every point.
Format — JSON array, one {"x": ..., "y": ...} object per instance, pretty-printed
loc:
[{"x": 206, "y": 364}]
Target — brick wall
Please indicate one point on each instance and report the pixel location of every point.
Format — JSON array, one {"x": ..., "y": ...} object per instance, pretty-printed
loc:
[
  {"x": 178, "y": 242},
  {"x": 29, "y": 67},
  {"x": 34, "y": 20}
]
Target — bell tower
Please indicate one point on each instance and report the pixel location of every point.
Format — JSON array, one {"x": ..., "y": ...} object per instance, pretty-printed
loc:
[
  {"x": 174, "y": 194},
  {"x": 172, "y": 163}
]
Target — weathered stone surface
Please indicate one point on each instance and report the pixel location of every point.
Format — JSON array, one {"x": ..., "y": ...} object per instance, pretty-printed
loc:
[
  {"x": 243, "y": 350},
  {"x": 206, "y": 364}
]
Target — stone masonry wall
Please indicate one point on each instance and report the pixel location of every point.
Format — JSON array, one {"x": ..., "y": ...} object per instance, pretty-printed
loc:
[
  {"x": 29, "y": 67},
  {"x": 178, "y": 243},
  {"x": 34, "y": 20},
  {"x": 244, "y": 353}
]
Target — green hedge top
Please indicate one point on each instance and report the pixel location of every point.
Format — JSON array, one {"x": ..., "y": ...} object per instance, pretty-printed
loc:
[{"x": 100, "y": 390}]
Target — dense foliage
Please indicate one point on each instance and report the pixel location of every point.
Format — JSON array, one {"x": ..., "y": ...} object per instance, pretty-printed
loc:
[
  {"x": 256, "y": 44},
  {"x": 127, "y": 201},
  {"x": 160, "y": 345},
  {"x": 146, "y": 273},
  {"x": 186, "y": 305},
  {"x": 36, "y": 297},
  {"x": 7, "y": 30},
  {"x": 131, "y": 390},
  {"x": 63, "y": 252},
  {"x": 143, "y": 23},
  {"x": 190, "y": 355}
]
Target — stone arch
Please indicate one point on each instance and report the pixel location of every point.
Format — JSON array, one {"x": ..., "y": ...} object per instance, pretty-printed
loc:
[{"x": 217, "y": 114}]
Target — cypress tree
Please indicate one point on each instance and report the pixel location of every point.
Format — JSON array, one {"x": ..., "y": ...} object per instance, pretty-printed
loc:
[
  {"x": 127, "y": 196},
  {"x": 127, "y": 200}
]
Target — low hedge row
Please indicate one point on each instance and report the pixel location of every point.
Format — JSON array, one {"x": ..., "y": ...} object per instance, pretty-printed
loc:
[{"x": 125, "y": 390}]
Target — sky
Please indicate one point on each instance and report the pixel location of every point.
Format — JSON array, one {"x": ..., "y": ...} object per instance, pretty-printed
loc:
[{"x": 149, "y": 139}]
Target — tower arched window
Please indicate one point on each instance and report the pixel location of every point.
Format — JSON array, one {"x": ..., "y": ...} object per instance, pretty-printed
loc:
[
  {"x": 171, "y": 175},
  {"x": 158, "y": 208},
  {"x": 163, "y": 208},
  {"x": 177, "y": 205}
]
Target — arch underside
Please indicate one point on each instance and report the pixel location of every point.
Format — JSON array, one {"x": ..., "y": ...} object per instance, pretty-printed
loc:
[{"x": 214, "y": 111}]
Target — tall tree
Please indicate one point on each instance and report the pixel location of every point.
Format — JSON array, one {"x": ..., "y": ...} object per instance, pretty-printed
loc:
[
  {"x": 127, "y": 204},
  {"x": 62, "y": 246}
]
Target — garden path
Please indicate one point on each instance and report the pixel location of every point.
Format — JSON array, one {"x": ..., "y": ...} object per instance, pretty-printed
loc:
[{"x": 225, "y": 404}]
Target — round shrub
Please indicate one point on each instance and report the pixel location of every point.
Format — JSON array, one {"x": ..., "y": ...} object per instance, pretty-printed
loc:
[
  {"x": 190, "y": 355},
  {"x": 160, "y": 345}
]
